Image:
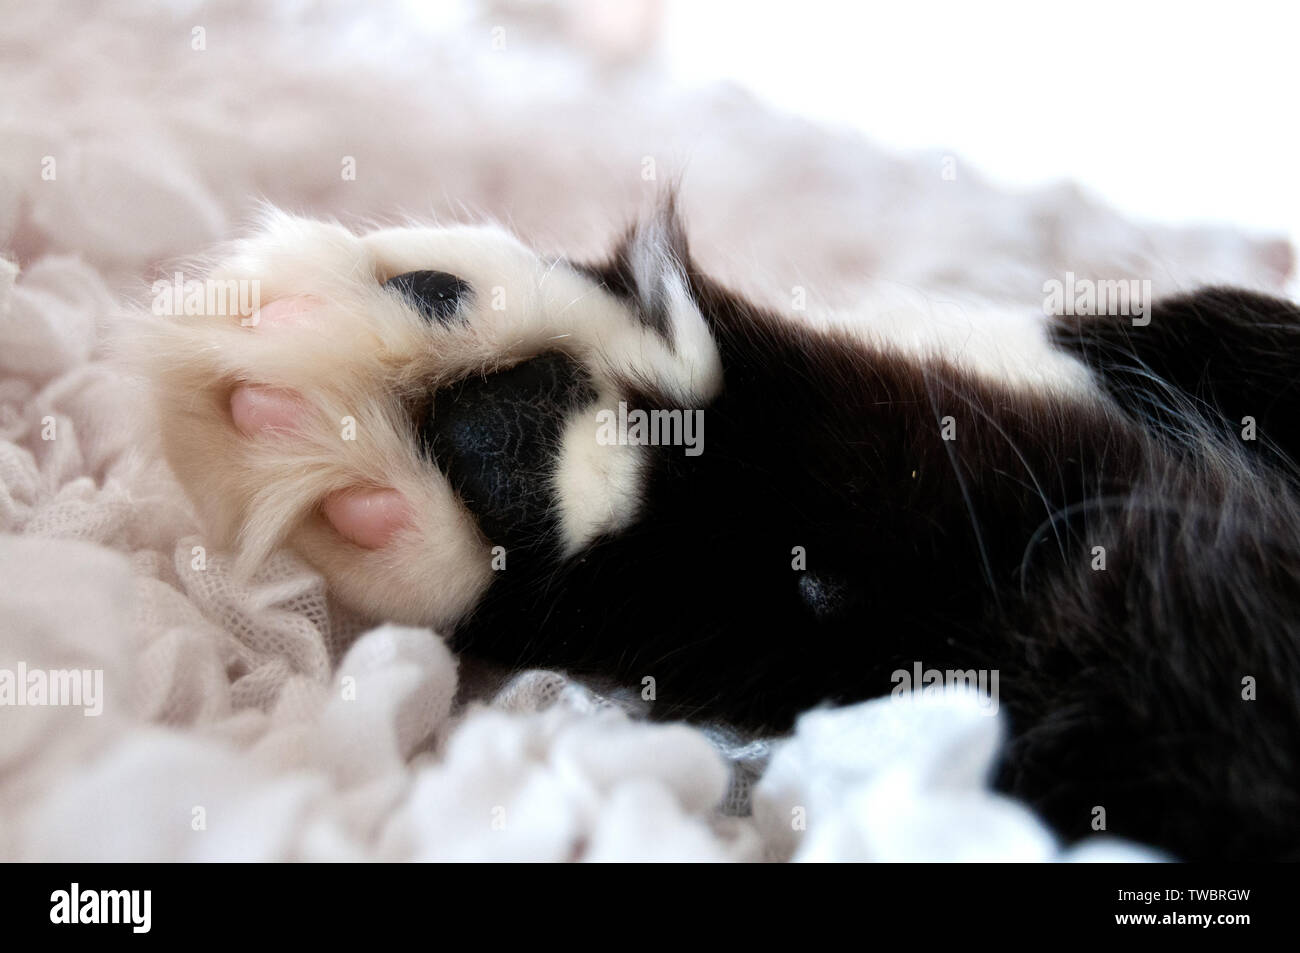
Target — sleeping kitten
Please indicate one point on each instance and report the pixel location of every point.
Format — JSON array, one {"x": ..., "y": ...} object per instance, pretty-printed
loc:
[{"x": 625, "y": 469}]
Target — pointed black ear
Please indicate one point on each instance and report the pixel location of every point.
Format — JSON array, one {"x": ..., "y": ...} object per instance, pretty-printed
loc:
[
  {"x": 658, "y": 258},
  {"x": 648, "y": 269}
]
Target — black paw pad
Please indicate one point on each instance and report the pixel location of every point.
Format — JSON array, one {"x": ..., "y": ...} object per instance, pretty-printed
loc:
[
  {"x": 497, "y": 439},
  {"x": 435, "y": 294}
]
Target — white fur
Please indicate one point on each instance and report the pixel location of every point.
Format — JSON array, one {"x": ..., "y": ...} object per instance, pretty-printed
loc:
[
  {"x": 1003, "y": 343},
  {"x": 597, "y": 488},
  {"x": 363, "y": 355}
]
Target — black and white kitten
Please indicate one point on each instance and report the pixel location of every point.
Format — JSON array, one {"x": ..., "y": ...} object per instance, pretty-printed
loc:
[{"x": 458, "y": 432}]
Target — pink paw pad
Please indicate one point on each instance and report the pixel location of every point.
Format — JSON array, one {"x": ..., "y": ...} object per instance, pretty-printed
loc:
[
  {"x": 368, "y": 518},
  {"x": 257, "y": 409},
  {"x": 292, "y": 312}
]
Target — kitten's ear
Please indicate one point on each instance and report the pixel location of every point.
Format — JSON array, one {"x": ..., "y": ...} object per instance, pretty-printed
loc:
[
  {"x": 654, "y": 264},
  {"x": 649, "y": 271},
  {"x": 657, "y": 256}
]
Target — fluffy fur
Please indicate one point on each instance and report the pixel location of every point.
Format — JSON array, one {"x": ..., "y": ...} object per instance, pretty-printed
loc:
[{"x": 864, "y": 501}]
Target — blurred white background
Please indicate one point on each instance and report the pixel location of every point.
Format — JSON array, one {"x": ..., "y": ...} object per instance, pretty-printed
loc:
[{"x": 1173, "y": 112}]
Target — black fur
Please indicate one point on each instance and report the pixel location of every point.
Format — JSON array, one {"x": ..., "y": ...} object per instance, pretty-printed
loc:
[
  {"x": 1123, "y": 685},
  {"x": 1234, "y": 353}
]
